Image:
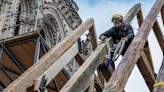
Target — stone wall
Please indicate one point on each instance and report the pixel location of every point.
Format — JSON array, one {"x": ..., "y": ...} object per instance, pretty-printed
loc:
[{"x": 19, "y": 17}]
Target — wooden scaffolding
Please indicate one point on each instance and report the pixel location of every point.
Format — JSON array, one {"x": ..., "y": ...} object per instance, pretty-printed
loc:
[{"x": 20, "y": 73}]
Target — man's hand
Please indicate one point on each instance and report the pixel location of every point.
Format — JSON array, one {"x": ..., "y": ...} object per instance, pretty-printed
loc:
[
  {"x": 102, "y": 37},
  {"x": 125, "y": 38}
]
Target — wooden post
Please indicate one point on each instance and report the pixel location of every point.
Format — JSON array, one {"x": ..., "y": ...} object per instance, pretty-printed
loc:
[
  {"x": 92, "y": 83},
  {"x": 92, "y": 34},
  {"x": 145, "y": 63},
  {"x": 140, "y": 18},
  {"x": 147, "y": 49},
  {"x": 121, "y": 74},
  {"x": 162, "y": 14},
  {"x": 159, "y": 35},
  {"x": 160, "y": 79},
  {"x": 132, "y": 13}
]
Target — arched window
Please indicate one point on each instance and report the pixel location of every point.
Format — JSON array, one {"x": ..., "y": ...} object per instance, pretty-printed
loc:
[{"x": 51, "y": 29}]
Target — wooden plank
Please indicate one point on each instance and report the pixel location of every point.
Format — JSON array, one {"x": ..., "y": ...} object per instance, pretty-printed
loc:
[
  {"x": 83, "y": 74},
  {"x": 145, "y": 64},
  {"x": 159, "y": 35},
  {"x": 140, "y": 18},
  {"x": 80, "y": 58},
  {"x": 93, "y": 36},
  {"x": 146, "y": 70},
  {"x": 4, "y": 79},
  {"x": 146, "y": 50},
  {"x": 160, "y": 78},
  {"x": 121, "y": 74},
  {"x": 26, "y": 80},
  {"x": 55, "y": 68},
  {"x": 13, "y": 75},
  {"x": 8, "y": 63},
  {"x": 99, "y": 86},
  {"x": 162, "y": 14},
  {"x": 59, "y": 77},
  {"x": 132, "y": 13},
  {"x": 22, "y": 56},
  {"x": 101, "y": 77},
  {"x": 149, "y": 56},
  {"x": 92, "y": 83},
  {"x": 104, "y": 76}
]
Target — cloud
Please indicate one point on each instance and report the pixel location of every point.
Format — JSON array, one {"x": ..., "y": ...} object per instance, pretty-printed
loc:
[{"x": 102, "y": 11}]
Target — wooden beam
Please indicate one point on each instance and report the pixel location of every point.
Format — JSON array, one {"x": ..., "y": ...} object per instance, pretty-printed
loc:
[
  {"x": 160, "y": 78},
  {"x": 140, "y": 18},
  {"x": 159, "y": 35},
  {"x": 146, "y": 70},
  {"x": 101, "y": 77},
  {"x": 121, "y": 74},
  {"x": 26, "y": 80},
  {"x": 132, "y": 13},
  {"x": 162, "y": 14},
  {"x": 91, "y": 83},
  {"x": 80, "y": 59},
  {"x": 93, "y": 36},
  {"x": 99, "y": 85},
  {"x": 145, "y": 63},
  {"x": 18, "y": 38},
  {"x": 55, "y": 68},
  {"x": 83, "y": 74},
  {"x": 149, "y": 56},
  {"x": 147, "y": 49}
]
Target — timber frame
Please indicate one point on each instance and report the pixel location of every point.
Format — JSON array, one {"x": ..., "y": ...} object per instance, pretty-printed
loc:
[
  {"x": 49, "y": 63},
  {"x": 137, "y": 55}
]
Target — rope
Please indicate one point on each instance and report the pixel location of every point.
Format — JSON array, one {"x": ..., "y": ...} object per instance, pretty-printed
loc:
[{"x": 118, "y": 50}]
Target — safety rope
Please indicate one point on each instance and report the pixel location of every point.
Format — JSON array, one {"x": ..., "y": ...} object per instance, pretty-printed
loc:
[
  {"x": 117, "y": 53},
  {"x": 118, "y": 50}
]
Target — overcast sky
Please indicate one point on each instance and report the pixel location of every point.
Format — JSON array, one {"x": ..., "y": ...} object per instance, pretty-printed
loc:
[{"x": 102, "y": 11}]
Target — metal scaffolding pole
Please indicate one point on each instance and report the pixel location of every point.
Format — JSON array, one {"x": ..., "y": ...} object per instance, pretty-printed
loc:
[{"x": 37, "y": 50}]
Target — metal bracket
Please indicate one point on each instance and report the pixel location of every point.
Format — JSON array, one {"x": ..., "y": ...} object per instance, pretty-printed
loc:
[{"x": 42, "y": 86}]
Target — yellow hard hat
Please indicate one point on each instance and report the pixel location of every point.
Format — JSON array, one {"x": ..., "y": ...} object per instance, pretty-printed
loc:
[{"x": 117, "y": 17}]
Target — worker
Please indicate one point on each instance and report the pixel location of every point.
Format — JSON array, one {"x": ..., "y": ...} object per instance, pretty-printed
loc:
[{"x": 119, "y": 31}]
